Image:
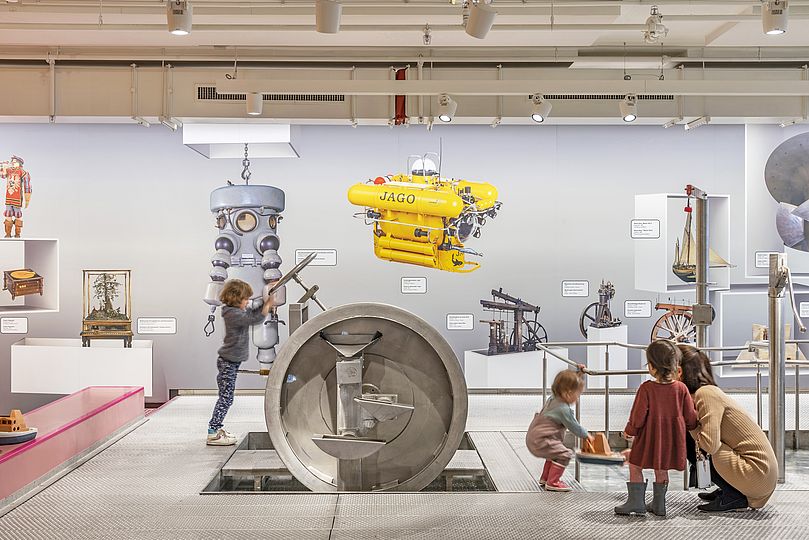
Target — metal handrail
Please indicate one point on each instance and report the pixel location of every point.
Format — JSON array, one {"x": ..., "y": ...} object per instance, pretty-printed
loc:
[{"x": 607, "y": 373}]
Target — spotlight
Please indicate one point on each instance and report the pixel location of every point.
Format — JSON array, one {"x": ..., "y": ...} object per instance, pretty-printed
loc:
[
  {"x": 655, "y": 29},
  {"x": 446, "y": 108},
  {"x": 327, "y": 16},
  {"x": 541, "y": 108},
  {"x": 255, "y": 102},
  {"x": 178, "y": 16},
  {"x": 775, "y": 16},
  {"x": 673, "y": 122},
  {"x": 481, "y": 18},
  {"x": 629, "y": 108},
  {"x": 701, "y": 121},
  {"x": 787, "y": 123}
]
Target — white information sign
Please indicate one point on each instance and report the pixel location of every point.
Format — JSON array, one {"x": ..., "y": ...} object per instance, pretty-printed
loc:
[
  {"x": 637, "y": 309},
  {"x": 804, "y": 309},
  {"x": 645, "y": 228},
  {"x": 157, "y": 325},
  {"x": 460, "y": 321},
  {"x": 414, "y": 285},
  {"x": 763, "y": 259},
  {"x": 325, "y": 257},
  {"x": 13, "y": 325},
  {"x": 578, "y": 288}
]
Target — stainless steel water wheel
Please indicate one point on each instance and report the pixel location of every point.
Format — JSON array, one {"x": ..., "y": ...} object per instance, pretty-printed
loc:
[{"x": 409, "y": 364}]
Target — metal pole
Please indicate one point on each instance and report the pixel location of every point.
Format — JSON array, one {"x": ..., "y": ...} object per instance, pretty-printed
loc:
[
  {"x": 796, "y": 442},
  {"x": 777, "y": 426},
  {"x": 607, "y": 392},
  {"x": 758, "y": 394},
  {"x": 544, "y": 376},
  {"x": 701, "y": 207},
  {"x": 577, "y": 443}
]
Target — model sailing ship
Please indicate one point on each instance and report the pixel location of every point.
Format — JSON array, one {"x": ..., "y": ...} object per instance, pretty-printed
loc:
[{"x": 685, "y": 257}]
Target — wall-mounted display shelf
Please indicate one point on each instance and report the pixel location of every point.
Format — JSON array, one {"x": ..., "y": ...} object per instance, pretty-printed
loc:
[
  {"x": 655, "y": 256},
  {"x": 35, "y": 294}
]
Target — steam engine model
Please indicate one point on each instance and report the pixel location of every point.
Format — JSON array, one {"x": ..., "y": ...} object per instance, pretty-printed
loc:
[{"x": 424, "y": 219}]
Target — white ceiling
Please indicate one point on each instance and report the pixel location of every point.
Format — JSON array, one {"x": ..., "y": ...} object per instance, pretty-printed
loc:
[{"x": 389, "y": 25}]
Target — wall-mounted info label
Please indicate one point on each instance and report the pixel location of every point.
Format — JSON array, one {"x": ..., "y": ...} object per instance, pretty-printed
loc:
[
  {"x": 645, "y": 228},
  {"x": 414, "y": 285},
  {"x": 637, "y": 309},
  {"x": 763, "y": 259},
  {"x": 460, "y": 321},
  {"x": 157, "y": 325},
  {"x": 325, "y": 257},
  {"x": 803, "y": 307},
  {"x": 13, "y": 325},
  {"x": 573, "y": 287}
]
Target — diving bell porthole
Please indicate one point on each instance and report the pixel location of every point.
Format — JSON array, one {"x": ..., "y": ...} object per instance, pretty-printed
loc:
[
  {"x": 272, "y": 222},
  {"x": 246, "y": 222},
  {"x": 221, "y": 221}
]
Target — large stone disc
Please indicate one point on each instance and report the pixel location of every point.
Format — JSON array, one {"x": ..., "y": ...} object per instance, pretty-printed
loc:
[
  {"x": 411, "y": 360},
  {"x": 787, "y": 171}
]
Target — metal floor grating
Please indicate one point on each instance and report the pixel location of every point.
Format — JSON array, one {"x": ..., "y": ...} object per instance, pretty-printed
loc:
[{"x": 147, "y": 486}]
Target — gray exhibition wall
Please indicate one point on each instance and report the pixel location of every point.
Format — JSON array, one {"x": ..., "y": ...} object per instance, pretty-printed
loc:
[{"x": 130, "y": 197}]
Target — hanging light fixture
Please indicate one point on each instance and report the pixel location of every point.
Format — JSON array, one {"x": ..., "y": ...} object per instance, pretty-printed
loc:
[
  {"x": 629, "y": 108},
  {"x": 327, "y": 16},
  {"x": 542, "y": 108},
  {"x": 775, "y": 16},
  {"x": 178, "y": 17},
  {"x": 446, "y": 108},
  {"x": 255, "y": 103},
  {"x": 481, "y": 18}
]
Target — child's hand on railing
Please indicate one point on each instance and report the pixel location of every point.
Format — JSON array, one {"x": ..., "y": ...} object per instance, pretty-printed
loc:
[{"x": 627, "y": 437}]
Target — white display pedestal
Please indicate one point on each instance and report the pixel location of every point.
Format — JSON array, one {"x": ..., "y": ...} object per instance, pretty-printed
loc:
[
  {"x": 40, "y": 255},
  {"x": 63, "y": 366},
  {"x": 595, "y": 355},
  {"x": 510, "y": 370}
]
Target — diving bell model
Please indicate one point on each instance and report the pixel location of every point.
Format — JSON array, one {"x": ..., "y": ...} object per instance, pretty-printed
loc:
[
  {"x": 247, "y": 218},
  {"x": 424, "y": 219}
]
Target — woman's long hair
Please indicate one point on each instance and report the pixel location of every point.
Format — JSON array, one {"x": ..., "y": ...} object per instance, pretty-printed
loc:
[{"x": 696, "y": 366}]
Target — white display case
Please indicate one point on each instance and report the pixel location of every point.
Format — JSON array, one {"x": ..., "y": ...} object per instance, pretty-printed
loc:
[
  {"x": 737, "y": 311},
  {"x": 511, "y": 370},
  {"x": 40, "y": 255},
  {"x": 654, "y": 257},
  {"x": 596, "y": 359},
  {"x": 63, "y": 366}
]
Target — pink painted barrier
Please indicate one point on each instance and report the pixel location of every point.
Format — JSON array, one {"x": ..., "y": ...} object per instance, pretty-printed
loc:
[{"x": 66, "y": 428}]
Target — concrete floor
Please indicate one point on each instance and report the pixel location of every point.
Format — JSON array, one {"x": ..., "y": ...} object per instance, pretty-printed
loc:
[{"x": 147, "y": 486}]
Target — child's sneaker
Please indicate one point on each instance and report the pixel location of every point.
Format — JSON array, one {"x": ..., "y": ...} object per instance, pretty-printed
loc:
[{"x": 220, "y": 437}]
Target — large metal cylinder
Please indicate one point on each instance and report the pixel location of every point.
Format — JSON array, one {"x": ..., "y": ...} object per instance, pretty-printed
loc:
[{"x": 411, "y": 361}]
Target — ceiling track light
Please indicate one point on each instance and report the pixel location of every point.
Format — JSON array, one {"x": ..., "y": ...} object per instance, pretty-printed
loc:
[
  {"x": 701, "y": 121},
  {"x": 673, "y": 122},
  {"x": 775, "y": 16},
  {"x": 480, "y": 19},
  {"x": 327, "y": 16},
  {"x": 178, "y": 17},
  {"x": 655, "y": 29},
  {"x": 446, "y": 108},
  {"x": 541, "y": 108},
  {"x": 787, "y": 123},
  {"x": 255, "y": 103},
  {"x": 629, "y": 108}
]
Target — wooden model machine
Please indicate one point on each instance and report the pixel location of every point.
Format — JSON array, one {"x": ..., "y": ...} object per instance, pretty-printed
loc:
[
  {"x": 22, "y": 282},
  {"x": 525, "y": 333},
  {"x": 424, "y": 219}
]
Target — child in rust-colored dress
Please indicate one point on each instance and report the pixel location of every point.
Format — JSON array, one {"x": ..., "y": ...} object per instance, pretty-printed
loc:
[
  {"x": 662, "y": 412},
  {"x": 547, "y": 430}
]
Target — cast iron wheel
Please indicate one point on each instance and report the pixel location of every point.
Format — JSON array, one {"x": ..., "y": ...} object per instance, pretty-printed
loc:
[
  {"x": 587, "y": 318},
  {"x": 532, "y": 333}
]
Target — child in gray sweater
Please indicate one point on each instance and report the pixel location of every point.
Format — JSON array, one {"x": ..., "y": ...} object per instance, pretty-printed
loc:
[{"x": 234, "y": 350}]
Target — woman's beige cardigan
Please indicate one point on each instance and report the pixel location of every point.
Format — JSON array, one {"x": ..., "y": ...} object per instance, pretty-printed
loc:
[{"x": 740, "y": 451}]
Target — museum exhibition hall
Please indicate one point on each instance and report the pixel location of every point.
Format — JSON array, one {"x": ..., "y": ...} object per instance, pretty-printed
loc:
[{"x": 321, "y": 269}]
